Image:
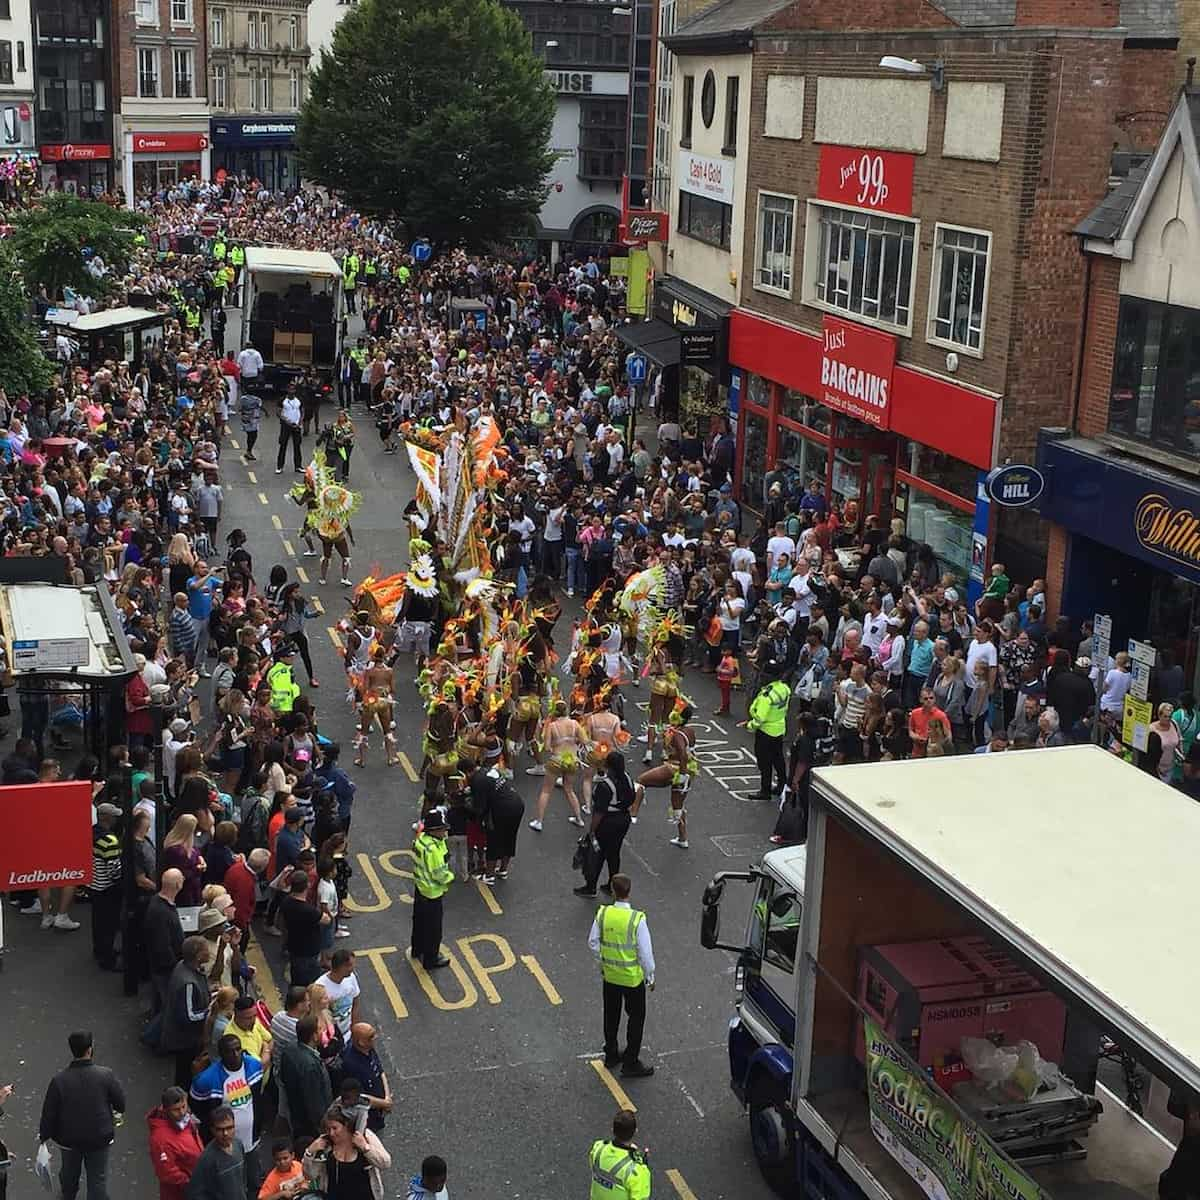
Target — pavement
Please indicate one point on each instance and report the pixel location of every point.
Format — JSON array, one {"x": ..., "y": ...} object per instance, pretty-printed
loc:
[{"x": 496, "y": 1062}]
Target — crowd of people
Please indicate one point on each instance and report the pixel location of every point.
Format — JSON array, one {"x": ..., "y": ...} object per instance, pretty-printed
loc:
[{"x": 534, "y": 489}]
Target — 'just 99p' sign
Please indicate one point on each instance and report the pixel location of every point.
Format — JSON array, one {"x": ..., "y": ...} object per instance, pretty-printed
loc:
[{"x": 876, "y": 179}]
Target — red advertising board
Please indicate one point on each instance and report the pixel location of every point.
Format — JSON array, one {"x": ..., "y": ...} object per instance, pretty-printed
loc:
[
  {"x": 76, "y": 152},
  {"x": 875, "y": 179},
  {"x": 157, "y": 143},
  {"x": 946, "y": 416},
  {"x": 47, "y": 838},
  {"x": 856, "y": 370}
]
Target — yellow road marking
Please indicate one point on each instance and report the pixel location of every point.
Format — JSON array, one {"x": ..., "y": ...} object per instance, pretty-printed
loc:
[
  {"x": 609, "y": 1080},
  {"x": 262, "y": 498},
  {"x": 316, "y": 603},
  {"x": 535, "y": 969},
  {"x": 390, "y": 990},
  {"x": 382, "y": 899},
  {"x": 337, "y": 641},
  {"x": 289, "y": 548},
  {"x": 405, "y": 762},
  {"x": 680, "y": 1185},
  {"x": 234, "y": 444},
  {"x": 276, "y": 521},
  {"x": 470, "y": 996},
  {"x": 263, "y": 975},
  {"x": 508, "y": 960},
  {"x": 251, "y": 476},
  {"x": 302, "y": 574},
  {"x": 489, "y": 899}
]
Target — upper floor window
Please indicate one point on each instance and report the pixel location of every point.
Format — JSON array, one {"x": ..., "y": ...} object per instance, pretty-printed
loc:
[
  {"x": 294, "y": 33},
  {"x": 1156, "y": 375},
  {"x": 687, "y": 105},
  {"x": 705, "y": 220},
  {"x": 776, "y": 229},
  {"x": 216, "y": 27},
  {"x": 861, "y": 263},
  {"x": 264, "y": 31},
  {"x": 5, "y": 10},
  {"x": 958, "y": 291},
  {"x": 181, "y": 63},
  {"x": 145, "y": 12},
  {"x": 219, "y": 83},
  {"x": 294, "y": 88},
  {"x": 252, "y": 31},
  {"x": 181, "y": 12},
  {"x": 147, "y": 72},
  {"x": 731, "y": 115},
  {"x": 6, "y": 62}
]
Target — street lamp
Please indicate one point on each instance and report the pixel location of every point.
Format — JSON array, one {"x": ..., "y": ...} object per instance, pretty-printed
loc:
[{"x": 910, "y": 66}]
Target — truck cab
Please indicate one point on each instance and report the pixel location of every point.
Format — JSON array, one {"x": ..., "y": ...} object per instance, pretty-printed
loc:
[{"x": 762, "y": 1030}]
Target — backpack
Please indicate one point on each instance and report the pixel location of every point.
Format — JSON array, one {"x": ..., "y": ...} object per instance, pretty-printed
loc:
[
  {"x": 253, "y": 832},
  {"x": 824, "y": 742}
]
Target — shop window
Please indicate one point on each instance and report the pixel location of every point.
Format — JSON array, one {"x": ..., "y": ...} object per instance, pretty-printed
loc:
[
  {"x": 6, "y": 62},
  {"x": 945, "y": 529},
  {"x": 938, "y": 468},
  {"x": 801, "y": 459},
  {"x": 796, "y": 406},
  {"x": 959, "y": 287},
  {"x": 689, "y": 103},
  {"x": 147, "y": 72},
  {"x": 181, "y": 63},
  {"x": 145, "y": 12},
  {"x": 754, "y": 461},
  {"x": 181, "y": 12},
  {"x": 216, "y": 27},
  {"x": 776, "y": 231},
  {"x": 731, "y": 115},
  {"x": 1156, "y": 375},
  {"x": 758, "y": 391},
  {"x": 219, "y": 84},
  {"x": 862, "y": 264},
  {"x": 705, "y": 220}
]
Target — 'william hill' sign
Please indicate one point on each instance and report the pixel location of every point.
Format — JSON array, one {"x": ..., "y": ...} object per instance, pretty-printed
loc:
[{"x": 1167, "y": 530}]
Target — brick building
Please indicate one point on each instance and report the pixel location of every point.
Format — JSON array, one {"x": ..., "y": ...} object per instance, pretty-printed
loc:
[
  {"x": 259, "y": 55},
  {"x": 160, "y": 129},
  {"x": 1122, "y": 497},
  {"x": 907, "y": 285}
]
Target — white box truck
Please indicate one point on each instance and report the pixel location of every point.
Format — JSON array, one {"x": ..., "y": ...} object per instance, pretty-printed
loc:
[
  {"x": 292, "y": 313},
  {"x": 1045, "y": 894}
]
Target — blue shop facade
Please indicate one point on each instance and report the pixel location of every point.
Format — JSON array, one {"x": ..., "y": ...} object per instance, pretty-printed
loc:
[{"x": 262, "y": 147}]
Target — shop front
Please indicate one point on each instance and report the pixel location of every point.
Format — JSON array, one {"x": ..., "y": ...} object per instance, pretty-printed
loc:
[
  {"x": 262, "y": 148},
  {"x": 876, "y": 435},
  {"x": 1129, "y": 534},
  {"x": 157, "y": 160},
  {"x": 686, "y": 343},
  {"x": 81, "y": 168}
]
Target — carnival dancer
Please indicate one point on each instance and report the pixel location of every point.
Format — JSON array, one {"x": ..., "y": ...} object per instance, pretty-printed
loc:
[
  {"x": 418, "y": 605},
  {"x": 677, "y": 770},
  {"x": 661, "y": 667},
  {"x": 440, "y": 756},
  {"x": 604, "y": 735},
  {"x": 304, "y": 494},
  {"x": 564, "y": 741},
  {"x": 361, "y": 640},
  {"x": 528, "y": 685},
  {"x": 377, "y": 698}
]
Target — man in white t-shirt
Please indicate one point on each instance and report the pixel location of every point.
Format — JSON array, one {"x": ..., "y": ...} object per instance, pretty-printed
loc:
[
  {"x": 250, "y": 363},
  {"x": 779, "y": 543},
  {"x": 341, "y": 986}
]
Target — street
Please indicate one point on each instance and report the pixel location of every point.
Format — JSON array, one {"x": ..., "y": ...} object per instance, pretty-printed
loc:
[{"x": 495, "y": 1062}]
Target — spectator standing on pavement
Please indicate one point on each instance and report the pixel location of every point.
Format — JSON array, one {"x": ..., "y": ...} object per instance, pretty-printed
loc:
[
  {"x": 431, "y": 1183},
  {"x": 185, "y": 1008},
  {"x": 162, "y": 934},
  {"x": 223, "y": 1170},
  {"x": 341, "y": 986},
  {"x": 200, "y": 590},
  {"x": 175, "y": 1144},
  {"x": 82, "y": 1106},
  {"x": 304, "y": 1086},
  {"x": 360, "y": 1061},
  {"x": 234, "y": 1079},
  {"x": 620, "y": 941},
  {"x": 303, "y": 921},
  {"x": 343, "y": 1163},
  {"x": 105, "y": 888}
]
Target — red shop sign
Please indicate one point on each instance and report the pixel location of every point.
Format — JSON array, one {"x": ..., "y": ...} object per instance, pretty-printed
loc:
[
  {"x": 875, "y": 179},
  {"x": 47, "y": 836},
  {"x": 154, "y": 143},
  {"x": 856, "y": 370},
  {"x": 75, "y": 152},
  {"x": 647, "y": 227}
]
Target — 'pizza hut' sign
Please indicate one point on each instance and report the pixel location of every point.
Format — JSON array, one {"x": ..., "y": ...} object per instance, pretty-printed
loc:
[{"x": 646, "y": 227}]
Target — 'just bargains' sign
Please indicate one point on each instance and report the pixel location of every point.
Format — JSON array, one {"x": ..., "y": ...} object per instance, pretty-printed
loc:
[{"x": 856, "y": 370}]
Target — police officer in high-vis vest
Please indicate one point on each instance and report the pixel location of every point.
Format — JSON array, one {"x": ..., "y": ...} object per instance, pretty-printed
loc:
[
  {"x": 350, "y": 267},
  {"x": 431, "y": 881},
  {"x": 281, "y": 679},
  {"x": 619, "y": 1170},
  {"x": 620, "y": 940},
  {"x": 768, "y": 720}
]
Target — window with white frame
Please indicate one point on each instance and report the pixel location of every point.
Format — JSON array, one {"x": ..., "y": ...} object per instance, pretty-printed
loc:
[
  {"x": 264, "y": 31},
  {"x": 294, "y": 33},
  {"x": 216, "y": 27},
  {"x": 252, "y": 31},
  {"x": 181, "y": 12},
  {"x": 959, "y": 286},
  {"x": 147, "y": 71},
  {"x": 145, "y": 12},
  {"x": 294, "y": 96},
  {"x": 219, "y": 85},
  {"x": 182, "y": 68},
  {"x": 863, "y": 264},
  {"x": 264, "y": 90},
  {"x": 776, "y": 229}
]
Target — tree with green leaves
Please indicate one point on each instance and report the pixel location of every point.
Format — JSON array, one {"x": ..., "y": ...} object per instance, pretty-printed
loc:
[
  {"x": 436, "y": 113},
  {"x": 23, "y": 366},
  {"x": 50, "y": 237}
]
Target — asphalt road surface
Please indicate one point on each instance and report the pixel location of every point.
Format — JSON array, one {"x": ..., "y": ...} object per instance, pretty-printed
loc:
[{"x": 493, "y": 1062}]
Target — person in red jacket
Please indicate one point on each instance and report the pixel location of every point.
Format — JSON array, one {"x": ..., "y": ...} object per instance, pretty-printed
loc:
[
  {"x": 175, "y": 1144},
  {"x": 241, "y": 882}
]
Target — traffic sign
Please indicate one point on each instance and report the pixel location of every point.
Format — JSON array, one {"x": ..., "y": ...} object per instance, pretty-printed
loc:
[
  {"x": 635, "y": 368},
  {"x": 1101, "y": 639},
  {"x": 421, "y": 251},
  {"x": 1144, "y": 657}
]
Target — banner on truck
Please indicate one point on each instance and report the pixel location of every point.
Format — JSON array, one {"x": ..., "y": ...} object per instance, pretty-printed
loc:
[{"x": 949, "y": 1157}]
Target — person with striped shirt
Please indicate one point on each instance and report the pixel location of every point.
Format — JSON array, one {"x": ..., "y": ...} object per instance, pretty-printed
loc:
[
  {"x": 181, "y": 630},
  {"x": 105, "y": 887}
]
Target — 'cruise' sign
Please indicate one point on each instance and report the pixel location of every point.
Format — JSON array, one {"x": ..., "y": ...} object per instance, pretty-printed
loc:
[{"x": 856, "y": 370}]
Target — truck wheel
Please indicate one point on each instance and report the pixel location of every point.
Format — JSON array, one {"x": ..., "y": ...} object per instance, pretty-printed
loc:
[{"x": 770, "y": 1135}]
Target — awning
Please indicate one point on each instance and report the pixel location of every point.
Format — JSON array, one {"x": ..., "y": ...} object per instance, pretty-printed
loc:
[{"x": 657, "y": 340}]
